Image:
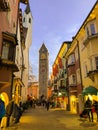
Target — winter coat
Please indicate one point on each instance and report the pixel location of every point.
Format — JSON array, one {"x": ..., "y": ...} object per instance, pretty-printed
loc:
[
  {"x": 16, "y": 111},
  {"x": 2, "y": 109}
]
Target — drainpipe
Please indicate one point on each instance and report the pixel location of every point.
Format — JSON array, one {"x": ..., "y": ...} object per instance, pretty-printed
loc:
[
  {"x": 79, "y": 63},
  {"x": 22, "y": 65},
  {"x": 80, "y": 107}
]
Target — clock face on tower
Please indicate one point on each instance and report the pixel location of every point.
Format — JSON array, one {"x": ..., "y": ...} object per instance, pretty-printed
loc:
[{"x": 43, "y": 56}]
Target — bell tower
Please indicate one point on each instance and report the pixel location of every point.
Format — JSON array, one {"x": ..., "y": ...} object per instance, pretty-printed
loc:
[{"x": 43, "y": 71}]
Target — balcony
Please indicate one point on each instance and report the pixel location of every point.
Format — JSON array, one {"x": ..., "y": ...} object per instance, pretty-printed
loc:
[
  {"x": 71, "y": 64},
  {"x": 73, "y": 89},
  {"x": 72, "y": 84},
  {"x": 4, "y": 5},
  {"x": 91, "y": 37},
  {"x": 9, "y": 64},
  {"x": 91, "y": 74},
  {"x": 8, "y": 51}
]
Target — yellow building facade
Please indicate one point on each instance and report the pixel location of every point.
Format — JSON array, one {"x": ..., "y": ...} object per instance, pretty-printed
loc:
[
  {"x": 80, "y": 61},
  {"x": 87, "y": 39},
  {"x": 59, "y": 77}
]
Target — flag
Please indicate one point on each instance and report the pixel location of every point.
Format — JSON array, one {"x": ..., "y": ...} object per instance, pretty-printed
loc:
[{"x": 60, "y": 62}]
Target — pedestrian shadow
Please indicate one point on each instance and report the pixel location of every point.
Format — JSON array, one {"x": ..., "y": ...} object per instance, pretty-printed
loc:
[{"x": 85, "y": 123}]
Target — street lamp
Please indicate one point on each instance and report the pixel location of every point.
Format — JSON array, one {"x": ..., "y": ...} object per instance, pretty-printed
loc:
[{"x": 59, "y": 94}]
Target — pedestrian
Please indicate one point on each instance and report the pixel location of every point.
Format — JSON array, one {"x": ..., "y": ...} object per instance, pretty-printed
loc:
[
  {"x": 88, "y": 107},
  {"x": 9, "y": 109},
  {"x": 95, "y": 108},
  {"x": 2, "y": 110},
  {"x": 31, "y": 102},
  {"x": 47, "y": 105},
  {"x": 16, "y": 112}
]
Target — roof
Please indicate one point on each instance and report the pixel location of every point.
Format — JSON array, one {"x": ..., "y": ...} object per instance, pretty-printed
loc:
[
  {"x": 27, "y": 10},
  {"x": 43, "y": 47}
]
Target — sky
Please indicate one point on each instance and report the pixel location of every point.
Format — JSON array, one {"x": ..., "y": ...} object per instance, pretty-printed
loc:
[{"x": 55, "y": 21}]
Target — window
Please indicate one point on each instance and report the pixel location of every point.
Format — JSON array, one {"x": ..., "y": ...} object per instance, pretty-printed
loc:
[
  {"x": 5, "y": 50},
  {"x": 78, "y": 76},
  {"x": 71, "y": 59},
  {"x": 96, "y": 61},
  {"x": 92, "y": 28},
  {"x": 29, "y": 20},
  {"x": 87, "y": 31},
  {"x": 8, "y": 51},
  {"x": 72, "y": 79},
  {"x": 24, "y": 19}
]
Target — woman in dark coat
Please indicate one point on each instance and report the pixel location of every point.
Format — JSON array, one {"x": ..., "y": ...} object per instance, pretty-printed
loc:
[{"x": 16, "y": 112}]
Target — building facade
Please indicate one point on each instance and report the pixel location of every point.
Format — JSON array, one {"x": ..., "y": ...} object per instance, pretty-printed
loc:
[
  {"x": 33, "y": 90},
  {"x": 89, "y": 51},
  {"x": 82, "y": 64},
  {"x": 59, "y": 77},
  {"x": 8, "y": 42},
  {"x": 11, "y": 36},
  {"x": 24, "y": 35},
  {"x": 27, "y": 25}
]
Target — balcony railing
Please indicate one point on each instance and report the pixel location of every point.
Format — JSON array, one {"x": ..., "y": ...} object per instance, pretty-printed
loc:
[
  {"x": 71, "y": 64},
  {"x": 72, "y": 84},
  {"x": 90, "y": 38},
  {"x": 91, "y": 74}
]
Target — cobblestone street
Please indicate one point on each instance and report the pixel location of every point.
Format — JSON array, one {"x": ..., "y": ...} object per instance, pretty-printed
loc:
[{"x": 41, "y": 119}]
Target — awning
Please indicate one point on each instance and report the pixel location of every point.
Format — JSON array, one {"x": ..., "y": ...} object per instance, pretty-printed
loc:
[{"x": 90, "y": 90}]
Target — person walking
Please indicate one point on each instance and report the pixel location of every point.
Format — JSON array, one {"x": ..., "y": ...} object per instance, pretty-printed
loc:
[
  {"x": 2, "y": 110},
  {"x": 88, "y": 107},
  {"x": 16, "y": 112},
  {"x": 95, "y": 108},
  {"x": 47, "y": 105},
  {"x": 9, "y": 110}
]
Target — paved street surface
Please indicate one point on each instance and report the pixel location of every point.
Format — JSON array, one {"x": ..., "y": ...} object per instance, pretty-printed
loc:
[{"x": 54, "y": 119}]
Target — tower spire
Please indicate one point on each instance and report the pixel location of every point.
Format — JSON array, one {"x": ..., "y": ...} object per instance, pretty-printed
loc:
[{"x": 27, "y": 10}]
